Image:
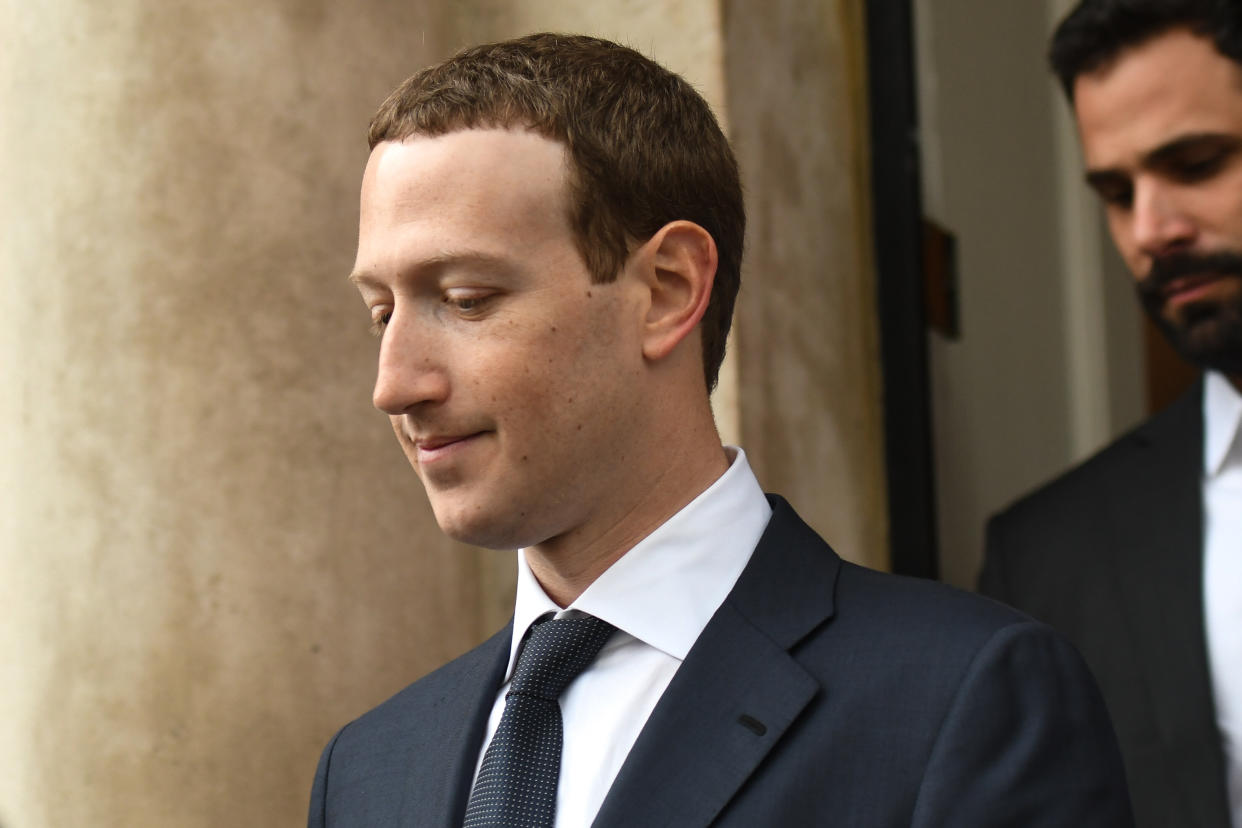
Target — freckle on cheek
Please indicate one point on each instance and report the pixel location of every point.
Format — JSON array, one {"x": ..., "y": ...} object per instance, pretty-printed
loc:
[{"x": 588, "y": 294}]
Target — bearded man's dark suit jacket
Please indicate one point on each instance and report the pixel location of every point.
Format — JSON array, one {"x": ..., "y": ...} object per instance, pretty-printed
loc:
[
  {"x": 1111, "y": 555},
  {"x": 820, "y": 693}
]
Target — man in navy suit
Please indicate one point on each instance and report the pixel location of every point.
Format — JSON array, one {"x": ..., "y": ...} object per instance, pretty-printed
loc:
[
  {"x": 550, "y": 247},
  {"x": 1136, "y": 555}
]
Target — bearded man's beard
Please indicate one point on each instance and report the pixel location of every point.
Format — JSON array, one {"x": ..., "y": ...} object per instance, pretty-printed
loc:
[{"x": 1206, "y": 332}]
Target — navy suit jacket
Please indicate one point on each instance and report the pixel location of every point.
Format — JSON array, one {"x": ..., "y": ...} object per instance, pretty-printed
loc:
[
  {"x": 1111, "y": 555},
  {"x": 820, "y": 693}
]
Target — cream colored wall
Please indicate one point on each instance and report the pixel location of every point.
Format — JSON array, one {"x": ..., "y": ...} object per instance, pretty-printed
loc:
[
  {"x": 1104, "y": 326},
  {"x": 1045, "y": 371},
  {"x": 212, "y": 554}
]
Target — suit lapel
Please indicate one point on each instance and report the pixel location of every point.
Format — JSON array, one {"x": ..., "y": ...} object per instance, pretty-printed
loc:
[
  {"x": 457, "y": 723},
  {"x": 738, "y": 690},
  {"x": 1160, "y": 570}
]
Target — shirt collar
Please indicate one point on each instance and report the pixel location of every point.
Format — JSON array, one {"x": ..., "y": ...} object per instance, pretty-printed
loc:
[
  {"x": 667, "y": 587},
  {"x": 1222, "y": 424}
]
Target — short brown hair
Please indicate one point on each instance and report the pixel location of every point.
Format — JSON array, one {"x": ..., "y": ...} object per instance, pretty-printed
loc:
[{"x": 644, "y": 147}]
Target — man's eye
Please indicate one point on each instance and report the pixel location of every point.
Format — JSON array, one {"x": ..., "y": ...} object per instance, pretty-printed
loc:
[
  {"x": 1116, "y": 196},
  {"x": 1198, "y": 169},
  {"x": 379, "y": 323},
  {"x": 466, "y": 303}
]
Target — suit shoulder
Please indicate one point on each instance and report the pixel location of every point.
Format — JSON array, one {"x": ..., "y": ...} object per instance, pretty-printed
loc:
[
  {"x": 794, "y": 567},
  {"x": 1079, "y": 490},
  {"x": 438, "y": 687},
  {"x": 1051, "y": 532},
  {"x": 368, "y": 769},
  {"x": 895, "y": 631},
  {"x": 1081, "y": 487},
  {"x": 917, "y": 609},
  {"x": 1063, "y": 537}
]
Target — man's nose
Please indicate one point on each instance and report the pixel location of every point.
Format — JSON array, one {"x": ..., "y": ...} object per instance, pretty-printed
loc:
[
  {"x": 1161, "y": 226},
  {"x": 409, "y": 372}
]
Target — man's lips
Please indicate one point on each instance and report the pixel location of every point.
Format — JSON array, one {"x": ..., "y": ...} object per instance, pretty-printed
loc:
[
  {"x": 1189, "y": 288},
  {"x": 435, "y": 447},
  {"x": 1186, "y": 276}
]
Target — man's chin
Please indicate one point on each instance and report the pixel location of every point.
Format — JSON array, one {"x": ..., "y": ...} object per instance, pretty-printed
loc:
[
  {"x": 465, "y": 525},
  {"x": 1206, "y": 335}
]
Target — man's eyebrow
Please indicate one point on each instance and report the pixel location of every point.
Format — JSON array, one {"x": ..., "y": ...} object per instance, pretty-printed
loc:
[
  {"x": 1166, "y": 153},
  {"x": 1102, "y": 178},
  {"x": 477, "y": 259}
]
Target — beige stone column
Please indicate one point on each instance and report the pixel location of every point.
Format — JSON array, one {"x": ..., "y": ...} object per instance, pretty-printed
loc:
[
  {"x": 212, "y": 553},
  {"x": 807, "y": 334}
]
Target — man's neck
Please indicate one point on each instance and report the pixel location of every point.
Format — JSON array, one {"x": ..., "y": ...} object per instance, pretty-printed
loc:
[{"x": 566, "y": 565}]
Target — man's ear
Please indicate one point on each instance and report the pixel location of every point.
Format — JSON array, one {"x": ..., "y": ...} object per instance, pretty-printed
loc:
[{"x": 678, "y": 266}]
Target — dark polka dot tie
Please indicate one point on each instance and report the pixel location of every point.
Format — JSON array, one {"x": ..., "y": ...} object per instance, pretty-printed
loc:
[{"x": 516, "y": 787}]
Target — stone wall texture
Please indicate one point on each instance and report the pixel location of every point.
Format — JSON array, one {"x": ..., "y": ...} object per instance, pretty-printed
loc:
[{"x": 807, "y": 335}]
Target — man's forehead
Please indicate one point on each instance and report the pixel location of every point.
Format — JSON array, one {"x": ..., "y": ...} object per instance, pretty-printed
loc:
[
  {"x": 477, "y": 169},
  {"x": 498, "y": 150},
  {"x": 1153, "y": 94},
  {"x": 482, "y": 191}
]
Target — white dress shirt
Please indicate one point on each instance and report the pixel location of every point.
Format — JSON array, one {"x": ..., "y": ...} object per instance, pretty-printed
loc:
[
  {"x": 1222, "y": 568},
  {"x": 659, "y": 595}
]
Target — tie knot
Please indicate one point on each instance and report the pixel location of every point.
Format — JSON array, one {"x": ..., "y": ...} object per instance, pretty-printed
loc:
[{"x": 555, "y": 652}]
